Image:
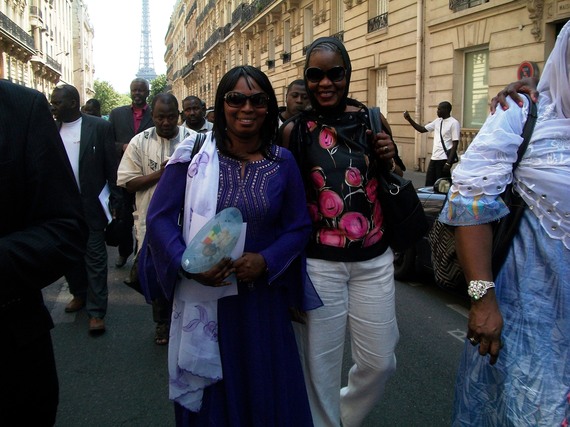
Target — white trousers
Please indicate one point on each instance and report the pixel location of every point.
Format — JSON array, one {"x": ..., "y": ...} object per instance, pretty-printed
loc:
[{"x": 360, "y": 295}]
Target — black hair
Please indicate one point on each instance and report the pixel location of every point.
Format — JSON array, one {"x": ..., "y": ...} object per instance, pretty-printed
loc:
[
  {"x": 268, "y": 134},
  {"x": 298, "y": 82},
  {"x": 69, "y": 92},
  {"x": 165, "y": 98},
  {"x": 193, "y": 98},
  {"x": 446, "y": 105}
]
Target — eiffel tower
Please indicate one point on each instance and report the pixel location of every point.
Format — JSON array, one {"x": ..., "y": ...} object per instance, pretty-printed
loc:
[{"x": 146, "y": 61}]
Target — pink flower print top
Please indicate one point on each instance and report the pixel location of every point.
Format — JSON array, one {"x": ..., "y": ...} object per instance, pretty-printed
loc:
[{"x": 341, "y": 190}]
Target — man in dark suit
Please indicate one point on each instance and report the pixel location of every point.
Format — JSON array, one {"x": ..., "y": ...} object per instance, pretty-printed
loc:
[
  {"x": 127, "y": 121},
  {"x": 42, "y": 234},
  {"x": 89, "y": 144}
]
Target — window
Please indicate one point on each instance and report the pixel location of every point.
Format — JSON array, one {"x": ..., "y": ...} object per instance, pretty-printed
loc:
[
  {"x": 382, "y": 90},
  {"x": 307, "y": 28},
  {"x": 337, "y": 17},
  {"x": 379, "y": 15},
  {"x": 476, "y": 88},
  {"x": 271, "y": 47}
]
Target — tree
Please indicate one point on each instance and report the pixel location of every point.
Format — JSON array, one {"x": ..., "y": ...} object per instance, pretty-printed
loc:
[
  {"x": 109, "y": 97},
  {"x": 157, "y": 86}
]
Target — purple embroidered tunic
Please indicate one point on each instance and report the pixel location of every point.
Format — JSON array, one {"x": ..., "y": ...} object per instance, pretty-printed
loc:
[{"x": 262, "y": 377}]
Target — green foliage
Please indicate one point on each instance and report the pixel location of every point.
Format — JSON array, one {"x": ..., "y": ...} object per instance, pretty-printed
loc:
[
  {"x": 157, "y": 86},
  {"x": 109, "y": 97}
]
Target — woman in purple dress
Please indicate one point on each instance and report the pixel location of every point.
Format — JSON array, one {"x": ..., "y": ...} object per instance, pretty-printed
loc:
[{"x": 233, "y": 360}]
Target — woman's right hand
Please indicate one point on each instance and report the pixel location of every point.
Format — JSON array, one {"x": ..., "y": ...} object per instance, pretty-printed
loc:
[
  {"x": 217, "y": 275},
  {"x": 527, "y": 85}
]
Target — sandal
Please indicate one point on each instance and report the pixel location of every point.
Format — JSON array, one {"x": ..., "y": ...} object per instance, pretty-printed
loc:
[{"x": 162, "y": 333}]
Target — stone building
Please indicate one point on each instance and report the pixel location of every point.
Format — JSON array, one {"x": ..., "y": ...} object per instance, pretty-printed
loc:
[
  {"x": 406, "y": 55},
  {"x": 44, "y": 42}
]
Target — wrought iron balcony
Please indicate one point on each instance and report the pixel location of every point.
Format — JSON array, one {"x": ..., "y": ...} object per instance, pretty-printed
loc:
[
  {"x": 16, "y": 32},
  {"x": 457, "y": 5},
  {"x": 53, "y": 64},
  {"x": 378, "y": 22},
  {"x": 186, "y": 69},
  {"x": 339, "y": 35}
]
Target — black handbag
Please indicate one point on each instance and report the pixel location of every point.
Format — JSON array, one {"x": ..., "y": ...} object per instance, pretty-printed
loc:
[
  {"x": 404, "y": 215},
  {"x": 114, "y": 231},
  {"x": 447, "y": 269}
]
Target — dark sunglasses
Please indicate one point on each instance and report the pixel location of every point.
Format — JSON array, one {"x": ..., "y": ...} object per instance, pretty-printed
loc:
[
  {"x": 237, "y": 99},
  {"x": 334, "y": 74}
]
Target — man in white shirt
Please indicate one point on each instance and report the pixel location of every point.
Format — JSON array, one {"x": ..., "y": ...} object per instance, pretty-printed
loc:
[
  {"x": 140, "y": 170},
  {"x": 90, "y": 147},
  {"x": 446, "y": 131}
]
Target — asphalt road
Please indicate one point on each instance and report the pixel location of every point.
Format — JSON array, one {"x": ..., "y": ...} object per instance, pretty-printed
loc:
[{"x": 120, "y": 378}]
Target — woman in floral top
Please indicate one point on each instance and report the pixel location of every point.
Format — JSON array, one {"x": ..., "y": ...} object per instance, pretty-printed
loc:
[{"x": 349, "y": 261}]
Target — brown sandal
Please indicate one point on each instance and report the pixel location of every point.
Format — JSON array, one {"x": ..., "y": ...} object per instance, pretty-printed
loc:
[{"x": 161, "y": 334}]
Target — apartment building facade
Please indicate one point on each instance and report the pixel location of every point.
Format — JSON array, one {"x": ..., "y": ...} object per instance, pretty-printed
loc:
[
  {"x": 44, "y": 42},
  {"x": 406, "y": 55}
]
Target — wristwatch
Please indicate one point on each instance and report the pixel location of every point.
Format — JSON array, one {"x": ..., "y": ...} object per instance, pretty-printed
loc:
[{"x": 478, "y": 288}]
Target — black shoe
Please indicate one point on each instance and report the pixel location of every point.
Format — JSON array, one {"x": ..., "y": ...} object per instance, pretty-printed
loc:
[{"x": 121, "y": 261}]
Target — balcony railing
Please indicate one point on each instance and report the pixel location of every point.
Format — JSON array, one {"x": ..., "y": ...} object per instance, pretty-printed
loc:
[
  {"x": 53, "y": 64},
  {"x": 213, "y": 39},
  {"x": 457, "y": 5},
  {"x": 254, "y": 9},
  {"x": 186, "y": 69},
  {"x": 16, "y": 32},
  {"x": 238, "y": 14},
  {"x": 378, "y": 22},
  {"x": 339, "y": 35}
]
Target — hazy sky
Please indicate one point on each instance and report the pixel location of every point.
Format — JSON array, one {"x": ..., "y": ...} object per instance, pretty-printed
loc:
[{"x": 117, "y": 41}]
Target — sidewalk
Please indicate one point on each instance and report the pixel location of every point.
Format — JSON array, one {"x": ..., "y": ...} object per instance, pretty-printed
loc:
[{"x": 418, "y": 178}]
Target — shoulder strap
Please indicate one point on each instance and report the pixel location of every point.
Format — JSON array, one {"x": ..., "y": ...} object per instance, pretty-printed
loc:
[
  {"x": 527, "y": 130},
  {"x": 200, "y": 138},
  {"x": 375, "y": 123},
  {"x": 441, "y": 139}
]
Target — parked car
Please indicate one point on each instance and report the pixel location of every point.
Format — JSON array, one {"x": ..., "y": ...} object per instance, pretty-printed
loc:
[{"x": 416, "y": 262}]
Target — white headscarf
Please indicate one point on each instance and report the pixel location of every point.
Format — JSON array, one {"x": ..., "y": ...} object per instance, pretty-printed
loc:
[{"x": 554, "y": 86}]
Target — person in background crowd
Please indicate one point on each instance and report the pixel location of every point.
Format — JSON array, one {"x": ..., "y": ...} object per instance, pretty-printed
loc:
[
  {"x": 193, "y": 113},
  {"x": 127, "y": 121},
  {"x": 39, "y": 241},
  {"x": 446, "y": 131},
  {"x": 140, "y": 169},
  {"x": 88, "y": 141},
  {"x": 514, "y": 369},
  {"x": 92, "y": 107},
  {"x": 349, "y": 262},
  {"x": 296, "y": 100},
  {"x": 233, "y": 359},
  {"x": 210, "y": 116}
]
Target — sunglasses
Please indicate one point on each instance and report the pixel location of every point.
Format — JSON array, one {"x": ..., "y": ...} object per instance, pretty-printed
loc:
[
  {"x": 237, "y": 99},
  {"x": 334, "y": 74}
]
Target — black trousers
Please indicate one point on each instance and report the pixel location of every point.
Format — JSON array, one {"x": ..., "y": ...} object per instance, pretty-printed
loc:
[
  {"x": 126, "y": 241},
  {"x": 435, "y": 171}
]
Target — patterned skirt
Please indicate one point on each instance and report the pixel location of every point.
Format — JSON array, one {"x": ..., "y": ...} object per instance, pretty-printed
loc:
[{"x": 530, "y": 383}]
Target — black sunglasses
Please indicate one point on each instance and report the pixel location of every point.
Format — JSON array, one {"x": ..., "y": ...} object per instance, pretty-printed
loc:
[
  {"x": 334, "y": 74},
  {"x": 237, "y": 99}
]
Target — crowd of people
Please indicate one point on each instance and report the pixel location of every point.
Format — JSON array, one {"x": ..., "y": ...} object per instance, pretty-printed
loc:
[{"x": 256, "y": 337}]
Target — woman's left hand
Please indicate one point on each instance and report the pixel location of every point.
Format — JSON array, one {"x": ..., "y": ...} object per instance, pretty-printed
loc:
[
  {"x": 383, "y": 146},
  {"x": 249, "y": 267}
]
